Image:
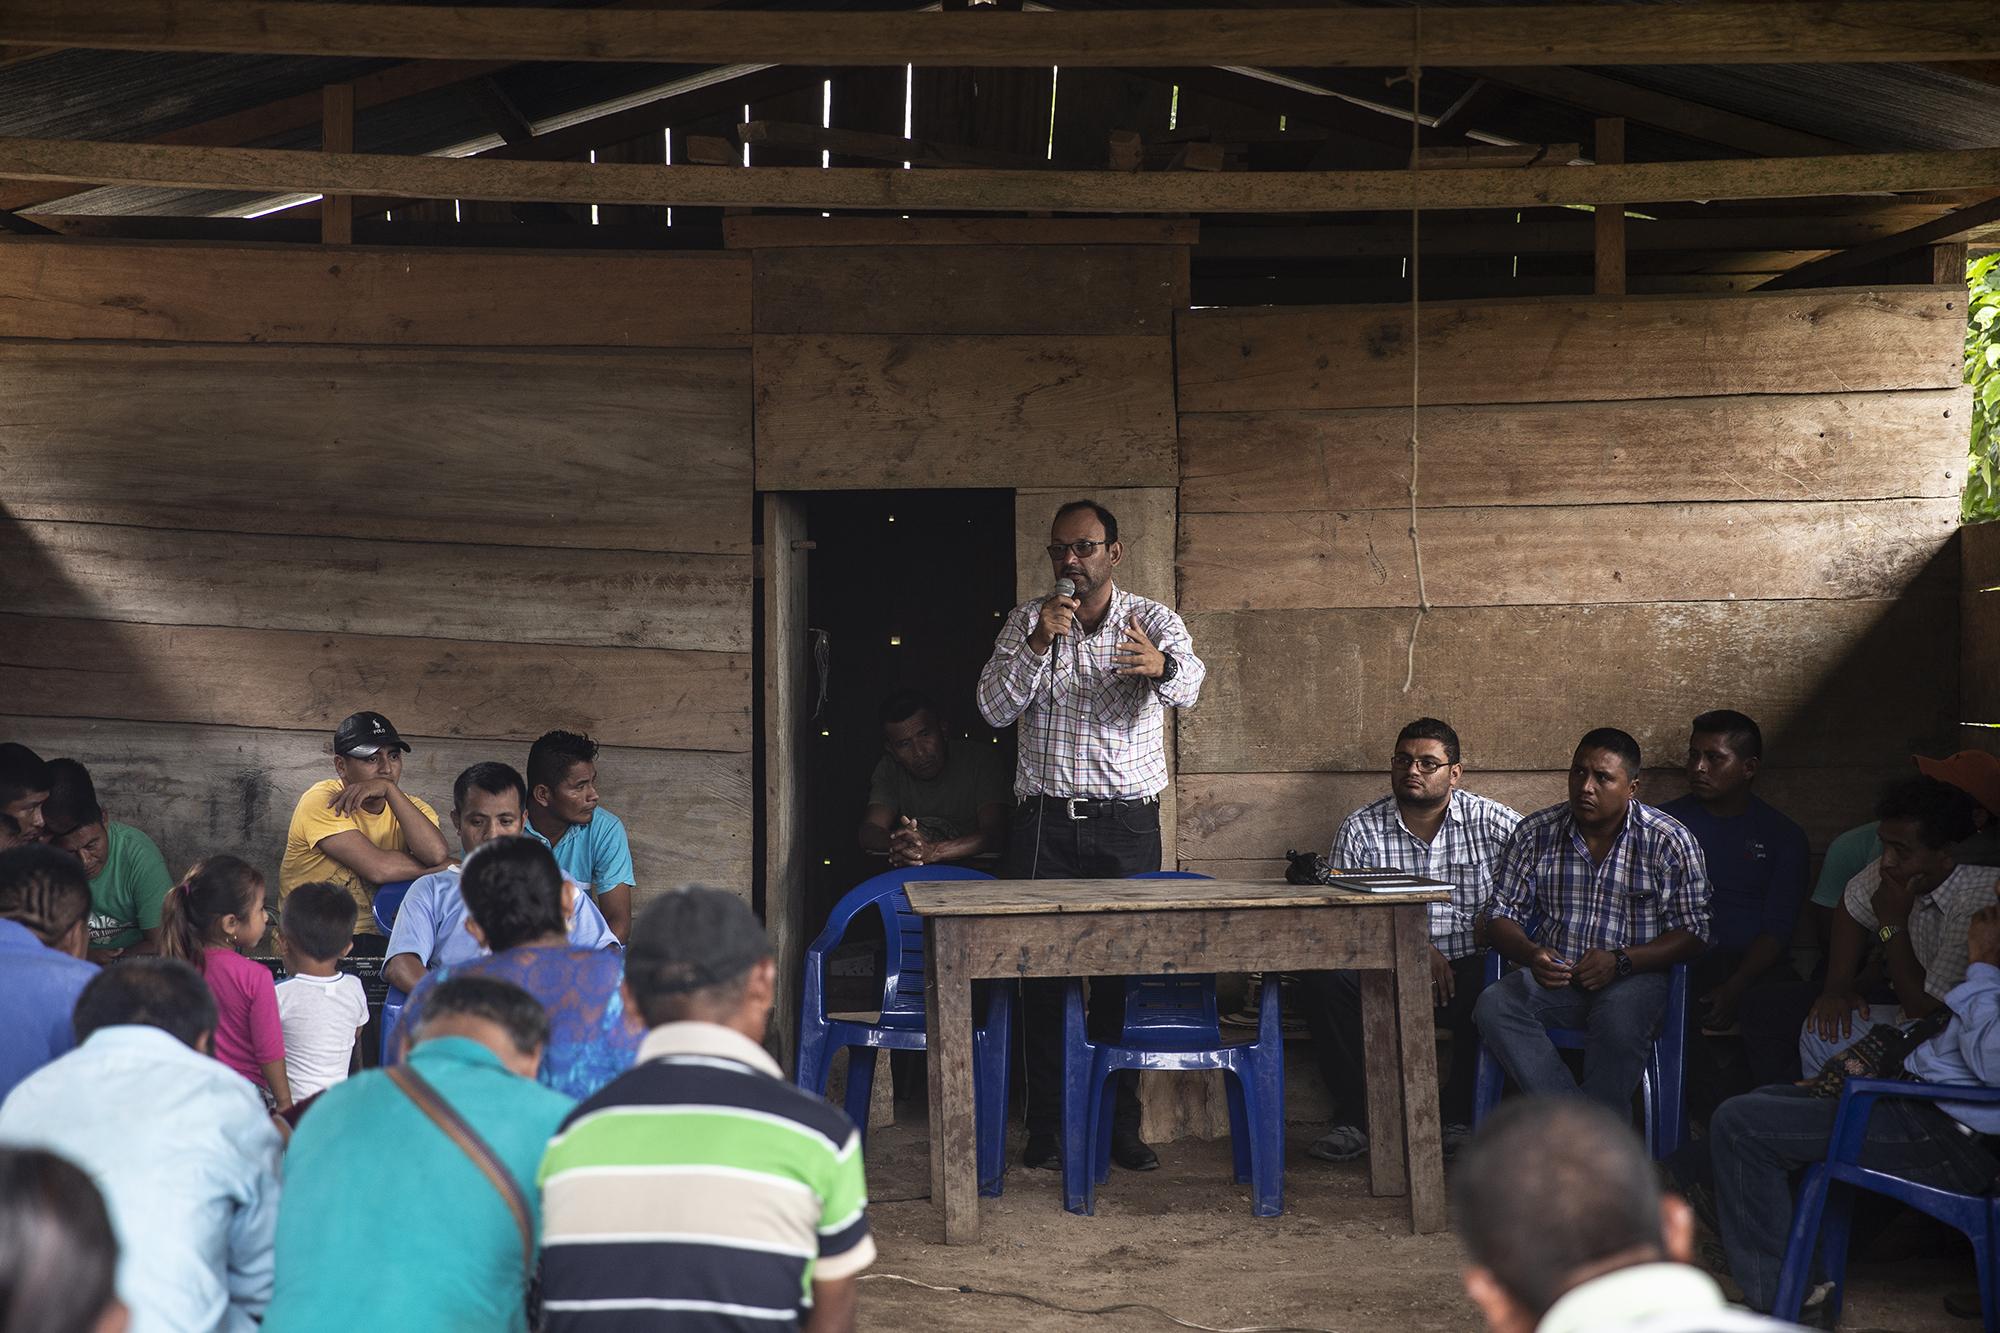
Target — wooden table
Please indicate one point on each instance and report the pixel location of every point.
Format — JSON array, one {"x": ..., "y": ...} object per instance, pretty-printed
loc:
[{"x": 1107, "y": 927}]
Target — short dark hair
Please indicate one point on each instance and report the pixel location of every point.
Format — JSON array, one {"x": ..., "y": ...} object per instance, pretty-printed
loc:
[
  {"x": 1942, "y": 812},
  {"x": 1430, "y": 729},
  {"x": 1548, "y": 1186},
  {"x": 492, "y": 778},
  {"x": 21, "y": 771},
  {"x": 691, "y": 953},
  {"x": 58, "y": 1253},
  {"x": 1104, "y": 516},
  {"x": 904, "y": 704},
  {"x": 1618, "y": 742},
  {"x": 513, "y": 890},
  {"x": 72, "y": 799},
  {"x": 44, "y": 888},
  {"x": 318, "y": 919},
  {"x": 1745, "y": 737},
  {"x": 502, "y": 1002},
  {"x": 162, "y": 993},
  {"x": 554, "y": 753}
]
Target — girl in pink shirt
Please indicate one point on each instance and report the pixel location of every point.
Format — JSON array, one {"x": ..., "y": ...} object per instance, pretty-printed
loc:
[{"x": 216, "y": 910}]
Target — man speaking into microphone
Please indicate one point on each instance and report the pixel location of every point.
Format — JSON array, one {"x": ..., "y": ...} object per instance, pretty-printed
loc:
[{"x": 1088, "y": 671}]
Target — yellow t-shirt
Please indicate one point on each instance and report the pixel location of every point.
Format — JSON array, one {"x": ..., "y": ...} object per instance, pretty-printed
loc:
[{"x": 313, "y": 819}]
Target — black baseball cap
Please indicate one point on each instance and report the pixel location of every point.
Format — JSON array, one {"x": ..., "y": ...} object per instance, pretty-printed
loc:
[
  {"x": 691, "y": 938},
  {"x": 360, "y": 735}
]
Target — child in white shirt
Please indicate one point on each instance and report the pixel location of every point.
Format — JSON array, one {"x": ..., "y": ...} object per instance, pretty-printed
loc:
[{"x": 322, "y": 1008}]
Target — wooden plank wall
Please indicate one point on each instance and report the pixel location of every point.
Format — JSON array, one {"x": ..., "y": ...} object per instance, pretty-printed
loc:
[
  {"x": 1631, "y": 510},
  {"x": 248, "y": 491},
  {"x": 1979, "y": 651}
]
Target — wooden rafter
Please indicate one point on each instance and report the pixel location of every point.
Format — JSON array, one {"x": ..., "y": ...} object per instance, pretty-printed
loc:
[
  {"x": 1706, "y": 32},
  {"x": 1606, "y": 96},
  {"x": 1951, "y": 226},
  {"x": 986, "y": 191}
]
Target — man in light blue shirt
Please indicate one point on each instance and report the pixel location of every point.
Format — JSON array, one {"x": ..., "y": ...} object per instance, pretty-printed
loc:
[
  {"x": 588, "y": 840},
  {"x": 44, "y": 930},
  {"x": 488, "y": 801},
  {"x": 1758, "y": 1140},
  {"x": 178, "y": 1143}
]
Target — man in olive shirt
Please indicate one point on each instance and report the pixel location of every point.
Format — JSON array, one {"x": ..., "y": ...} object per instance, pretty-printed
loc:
[
  {"x": 929, "y": 804},
  {"x": 129, "y": 881}
]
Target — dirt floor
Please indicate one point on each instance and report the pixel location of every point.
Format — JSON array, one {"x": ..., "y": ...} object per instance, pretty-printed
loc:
[{"x": 1182, "y": 1238}]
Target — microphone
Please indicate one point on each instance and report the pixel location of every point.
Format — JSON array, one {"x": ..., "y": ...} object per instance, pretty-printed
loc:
[{"x": 1064, "y": 588}]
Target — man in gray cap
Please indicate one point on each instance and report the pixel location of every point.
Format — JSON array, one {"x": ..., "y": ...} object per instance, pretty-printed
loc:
[{"x": 769, "y": 1199}]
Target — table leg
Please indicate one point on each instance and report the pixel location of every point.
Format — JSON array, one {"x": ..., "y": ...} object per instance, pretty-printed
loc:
[
  {"x": 1422, "y": 1139},
  {"x": 948, "y": 1038},
  {"x": 1381, "y": 1045}
]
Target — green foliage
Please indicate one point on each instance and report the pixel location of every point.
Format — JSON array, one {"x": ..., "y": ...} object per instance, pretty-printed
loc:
[{"x": 1982, "y": 372}]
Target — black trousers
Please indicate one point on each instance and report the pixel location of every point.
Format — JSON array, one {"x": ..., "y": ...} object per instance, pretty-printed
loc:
[
  {"x": 1044, "y": 843},
  {"x": 1332, "y": 1005}
]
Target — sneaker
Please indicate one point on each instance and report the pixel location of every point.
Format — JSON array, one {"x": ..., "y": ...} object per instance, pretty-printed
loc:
[
  {"x": 1342, "y": 1143},
  {"x": 1455, "y": 1137}
]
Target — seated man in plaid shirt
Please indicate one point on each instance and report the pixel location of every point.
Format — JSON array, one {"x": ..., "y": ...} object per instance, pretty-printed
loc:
[
  {"x": 1429, "y": 826},
  {"x": 1620, "y": 892}
]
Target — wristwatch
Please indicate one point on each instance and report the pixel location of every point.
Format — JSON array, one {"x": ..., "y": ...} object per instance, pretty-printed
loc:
[
  {"x": 1169, "y": 668},
  {"x": 1624, "y": 962},
  {"x": 1887, "y": 933}
]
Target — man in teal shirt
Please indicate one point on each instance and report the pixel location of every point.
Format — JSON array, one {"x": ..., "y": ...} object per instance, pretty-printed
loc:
[
  {"x": 588, "y": 840},
  {"x": 386, "y": 1223}
]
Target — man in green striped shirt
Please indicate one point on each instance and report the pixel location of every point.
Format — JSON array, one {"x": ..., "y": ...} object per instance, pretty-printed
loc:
[{"x": 699, "y": 1191}]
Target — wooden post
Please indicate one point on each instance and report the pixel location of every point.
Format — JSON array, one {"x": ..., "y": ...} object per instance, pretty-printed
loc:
[
  {"x": 1610, "y": 217},
  {"x": 336, "y": 135},
  {"x": 1948, "y": 264},
  {"x": 785, "y": 816}
]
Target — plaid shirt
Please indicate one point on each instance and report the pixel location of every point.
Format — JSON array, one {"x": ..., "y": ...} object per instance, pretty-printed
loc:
[
  {"x": 1939, "y": 921},
  {"x": 1464, "y": 853},
  {"x": 1654, "y": 880},
  {"x": 1084, "y": 731}
]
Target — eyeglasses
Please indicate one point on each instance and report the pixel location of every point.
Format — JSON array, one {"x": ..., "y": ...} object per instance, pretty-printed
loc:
[
  {"x": 1422, "y": 763},
  {"x": 1081, "y": 550}
]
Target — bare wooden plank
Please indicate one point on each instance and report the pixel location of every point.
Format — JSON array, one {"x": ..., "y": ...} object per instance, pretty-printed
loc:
[
  {"x": 864, "y": 412},
  {"x": 1979, "y": 652},
  {"x": 1609, "y": 219},
  {"x": 1225, "y": 939},
  {"x": 1702, "y": 34},
  {"x": 1417, "y": 1069},
  {"x": 1293, "y": 690},
  {"x": 1509, "y": 351},
  {"x": 650, "y": 698},
  {"x": 419, "y": 297},
  {"x": 336, "y": 135},
  {"x": 1387, "y": 1172},
  {"x": 1850, "y": 446},
  {"x": 776, "y": 230},
  {"x": 1031, "y": 289},
  {"x": 1955, "y": 223},
  {"x": 643, "y": 451},
  {"x": 1026, "y": 897},
  {"x": 1521, "y": 555},
  {"x": 200, "y": 789},
  {"x": 434, "y": 590},
  {"x": 381, "y": 177},
  {"x": 1229, "y": 818}
]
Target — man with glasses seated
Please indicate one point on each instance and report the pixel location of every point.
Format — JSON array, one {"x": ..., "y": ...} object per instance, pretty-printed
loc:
[
  {"x": 1089, "y": 673},
  {"x": 1426, "y": 826}
]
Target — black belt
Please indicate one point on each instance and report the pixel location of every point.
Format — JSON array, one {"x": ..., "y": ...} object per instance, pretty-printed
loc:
[{"x": 1086, "y": 807}]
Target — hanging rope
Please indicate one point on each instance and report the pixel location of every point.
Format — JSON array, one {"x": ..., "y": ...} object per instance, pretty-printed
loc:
[{"x": 1416, "y": 345}]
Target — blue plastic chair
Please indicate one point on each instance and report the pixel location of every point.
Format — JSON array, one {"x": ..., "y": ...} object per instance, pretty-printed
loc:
[
  {"x": 1171, "y": 1024},
  {"x": 1826, "y": 1200},
  {"x": 392, "y": 1015},
  {"x": 388, "y": 901},
  {"x": 1662, "y": 1084},
  {"x": 901, "y": 1024}
]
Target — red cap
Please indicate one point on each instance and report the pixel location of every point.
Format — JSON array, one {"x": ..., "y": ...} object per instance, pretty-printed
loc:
[{"x": 1974, "y": 772}]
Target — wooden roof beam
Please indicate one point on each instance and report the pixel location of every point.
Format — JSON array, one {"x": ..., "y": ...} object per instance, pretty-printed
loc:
[
  {"x": 1706, "y": 32},
  {"x": 1952, "y": 226},
  {"x": 1604, "y": 96}
]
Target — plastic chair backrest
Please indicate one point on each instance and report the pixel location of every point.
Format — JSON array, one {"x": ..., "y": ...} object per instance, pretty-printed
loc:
[
  {"x": 902, "y": 929},
  {"x": 1178, "y": 1008},
  {"x": 388, "y": 900}
]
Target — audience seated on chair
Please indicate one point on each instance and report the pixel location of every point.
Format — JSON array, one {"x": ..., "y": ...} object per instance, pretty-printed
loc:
[
  {"x": 588, "y": 840},
  {"x": 321, "y": 1008},
  {"x": 1914, "y": 901},
  {"x": 24, "y": 785},
  {"x": 180, "y": 1145},
  {"x": 488, "y": 801},
  {"x": 1757, "y": 868},
  {"x": 931, "y": 802},
  {"x": 1757, "y": 1141},
  {"x": 59, "y": 1261},
  {"x": 1427, "y": 825},
  {"x": 387, "y": 1222},
  {"x": 768, "y": 1200},
  {"x": 128, "y": 876},
  {"x": 358, "y": 828},
  {"x": 44, "y": 911},
  {"x": 1566, "y": 1230},
  {"x": 1622, "y": 895},
  {"x": 514, "y": 897}
]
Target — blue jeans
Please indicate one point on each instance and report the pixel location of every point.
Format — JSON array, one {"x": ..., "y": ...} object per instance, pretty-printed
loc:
[
  {"x": 1515, "y": 1013},
  {"x": 1757, "y": 1141}
]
